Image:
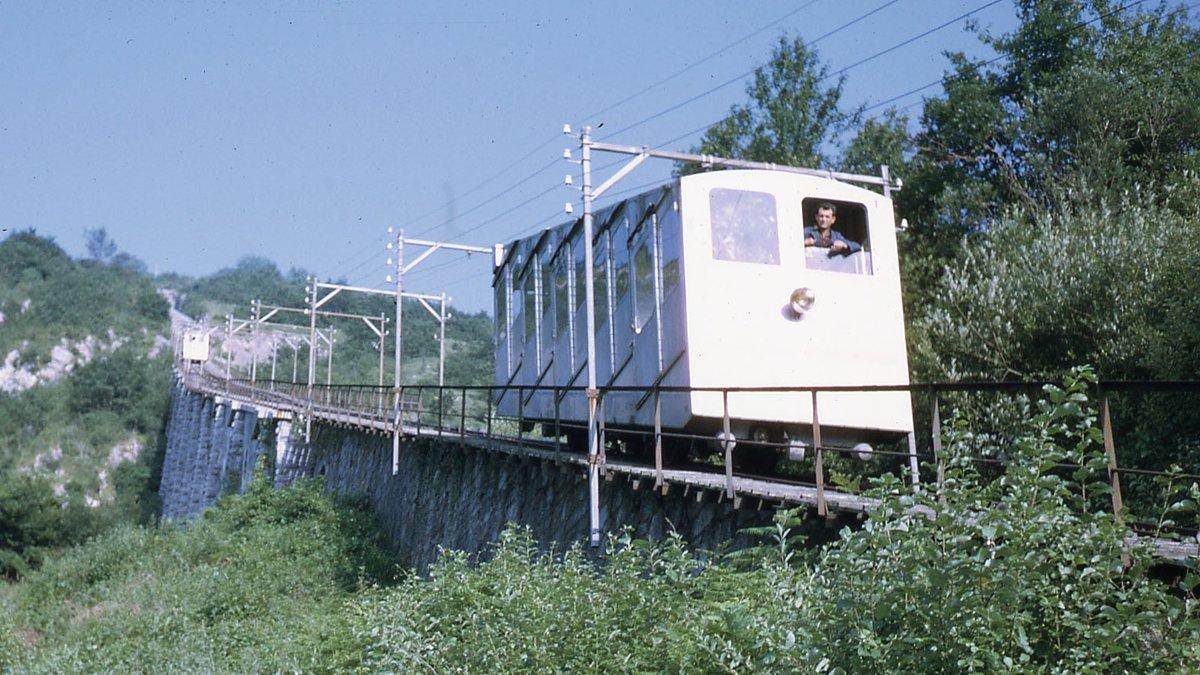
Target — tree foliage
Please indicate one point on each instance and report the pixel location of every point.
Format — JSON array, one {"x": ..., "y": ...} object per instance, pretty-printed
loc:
[
  {"x": 1082, "y": 91},
  {"x": 792, "y": 115}
]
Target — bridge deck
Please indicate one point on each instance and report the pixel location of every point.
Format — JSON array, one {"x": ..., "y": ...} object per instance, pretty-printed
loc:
[{"x": 761, "y": 491}]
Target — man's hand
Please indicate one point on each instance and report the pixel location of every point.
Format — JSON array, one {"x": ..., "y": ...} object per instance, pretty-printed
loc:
[
  {"x": 840, "y": 246},
  {"x": 809, "y": 241}
]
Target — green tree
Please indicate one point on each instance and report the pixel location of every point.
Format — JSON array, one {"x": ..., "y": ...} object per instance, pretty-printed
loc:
[
  {"x": 100, "y": 246},
  {"x": 881, "y": 141},
  {"x": 793, "y": 116},
  {"x": 1081, "y": 91}
]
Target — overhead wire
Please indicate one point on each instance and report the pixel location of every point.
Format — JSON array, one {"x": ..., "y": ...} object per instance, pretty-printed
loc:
[
  {"x": 705, "y": 59},
  {"x": 744, "y": 75},
  {"x": 619, "y": 103},
  {"x": 997, "y": 58}
]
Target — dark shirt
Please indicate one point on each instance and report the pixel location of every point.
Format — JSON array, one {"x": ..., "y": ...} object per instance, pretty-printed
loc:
[{"x": 834, "y": 235}]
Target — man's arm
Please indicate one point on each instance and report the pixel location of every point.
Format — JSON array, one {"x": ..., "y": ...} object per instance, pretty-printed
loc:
[{"x": 851, "y": 245}]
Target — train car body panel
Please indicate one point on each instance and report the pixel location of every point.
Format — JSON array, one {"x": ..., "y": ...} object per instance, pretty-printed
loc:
[
  {"x": 693, "y": 283},
  {"x": 742, "y": 331}
]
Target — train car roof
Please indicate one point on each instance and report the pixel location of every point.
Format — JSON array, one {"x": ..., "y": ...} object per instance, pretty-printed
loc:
[{"x": 612, "y": 212}]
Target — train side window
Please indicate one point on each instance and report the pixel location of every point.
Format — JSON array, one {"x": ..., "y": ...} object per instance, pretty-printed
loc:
[
  {"x": 562, "y": 305},
  {"x": 501, "y": 307},
  {"x": 849, "y": 226},
  {"x": 600, "y": 279},
  {"x": 580, "y": 275},
  {"x": 668, "y": 227},
  {"x": 530, "y": 309},
  {"x": 546, "y": 291},
  {"x": 516, "y": 332},
  {"x": 745, "y": 226},
  {"x": 581, "y": 298},
  {"x": 643, "y": 277},
  {"x": 620, "y": 264}
]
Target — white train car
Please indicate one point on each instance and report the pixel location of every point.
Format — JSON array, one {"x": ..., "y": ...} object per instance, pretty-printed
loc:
[{"x": 708, "y": 282}]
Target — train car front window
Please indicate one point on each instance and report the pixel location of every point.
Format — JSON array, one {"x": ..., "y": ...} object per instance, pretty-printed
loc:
[
  {"x": 745, "y": 226},
  {"x": 836, "y": 236}
]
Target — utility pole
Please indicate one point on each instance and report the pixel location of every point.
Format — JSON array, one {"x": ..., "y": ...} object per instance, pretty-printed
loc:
[
  {"x": 442, "y": 344},
  {"x": 254, "y": 343},
  {"x": 329, "y": 370},
  {"x": 585, "y": 144},
  {"x": 382, "y": 334}
]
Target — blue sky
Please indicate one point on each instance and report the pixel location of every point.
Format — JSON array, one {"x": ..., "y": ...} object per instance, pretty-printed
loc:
[{"x": 198, "y": 133}]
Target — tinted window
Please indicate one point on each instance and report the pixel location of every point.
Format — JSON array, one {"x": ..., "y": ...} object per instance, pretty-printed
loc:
[{"x": 745, "y": 226}]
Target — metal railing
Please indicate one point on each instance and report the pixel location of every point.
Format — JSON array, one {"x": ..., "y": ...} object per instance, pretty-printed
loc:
[{"x": 467, "y": 411}]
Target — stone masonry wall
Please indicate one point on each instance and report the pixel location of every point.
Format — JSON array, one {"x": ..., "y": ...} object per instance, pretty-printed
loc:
[{"x": 442, "y": 496}]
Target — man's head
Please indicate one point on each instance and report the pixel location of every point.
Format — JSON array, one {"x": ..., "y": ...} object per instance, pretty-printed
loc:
[{"x": 826, "y": 216}]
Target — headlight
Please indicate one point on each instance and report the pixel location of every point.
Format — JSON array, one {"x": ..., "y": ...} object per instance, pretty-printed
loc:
[{"x": 802, "y": 300}]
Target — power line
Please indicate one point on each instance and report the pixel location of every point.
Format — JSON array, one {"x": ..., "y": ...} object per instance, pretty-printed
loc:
[
  {"x": 709, "y": 57},
  {"x": 494, "y": 197},
  {"x": 999, "y": 57},
  {"x": 619, "y": 103},
  {"x": 491, "y": 178},
  {"x": 742, "y": 76},
  {"x": 862, "y": 61}
]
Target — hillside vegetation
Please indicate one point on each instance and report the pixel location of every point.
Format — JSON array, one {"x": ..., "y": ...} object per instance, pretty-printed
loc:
[{"x": 83, "y": 392}]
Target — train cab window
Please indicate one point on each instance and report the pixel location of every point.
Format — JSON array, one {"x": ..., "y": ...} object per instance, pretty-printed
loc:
[
  {"x": 745, "y": 226},
  {"x": 840, "y": 237}
]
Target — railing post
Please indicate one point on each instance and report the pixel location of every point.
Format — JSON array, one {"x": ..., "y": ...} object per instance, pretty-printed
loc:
[
  {"x": 658, "y": 458},
  {"x": 1114, "y": 473},
  {"x": 557, "y": 420},
  {"x": 462, "y": 418},
  {"x": 818, "y": 458},
  {"x": 521, "y": 417},
  {"x": 489, "y": 413},
  {"x": 602, "y": 440},
  {"x": 727, "y": 444},
  {"x": 937, "y": 451},
  {"x": 1110, "y": 451}
]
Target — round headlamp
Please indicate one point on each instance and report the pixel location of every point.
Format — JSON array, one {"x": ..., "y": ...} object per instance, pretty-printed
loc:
[{"x": 802, "y": 300}]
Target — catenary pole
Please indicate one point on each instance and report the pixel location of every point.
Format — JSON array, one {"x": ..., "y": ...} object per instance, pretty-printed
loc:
[{"x": 590, "y": 295}]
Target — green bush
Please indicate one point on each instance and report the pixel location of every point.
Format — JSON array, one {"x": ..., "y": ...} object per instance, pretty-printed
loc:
[
  {"x": 258, "y": 584},
  {"x": 1014, "y": 574}
]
